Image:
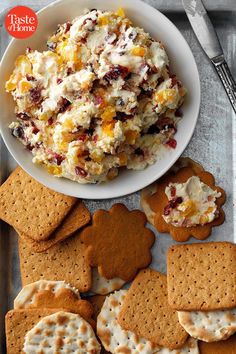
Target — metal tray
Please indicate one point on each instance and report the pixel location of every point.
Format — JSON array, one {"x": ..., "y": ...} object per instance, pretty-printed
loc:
[{"x": 213, "y": 143}]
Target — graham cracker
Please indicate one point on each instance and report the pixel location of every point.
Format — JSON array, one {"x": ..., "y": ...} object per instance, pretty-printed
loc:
[
  {"x": 63, "y": 261},
  {"x": 222, "y": 347},
  {"x": 18, "y": 323},
  {"x": 201, "y": 277},
  {"x": 119, "y": 244},
  {"x": 78, "y": 217},
  {"x": 30, "y": 207},
  {"x": 146, "y": 311},
  {"x": 154, "y": 200}
]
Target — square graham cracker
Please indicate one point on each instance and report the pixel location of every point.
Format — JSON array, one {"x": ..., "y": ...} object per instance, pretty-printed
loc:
[
  {"x": 78, "y": 217},
  {"x": 18, "y": 323},
  {"x": 222, "y": 347},
  {"x": 201, "y": 277},
  {"x": 146, "y": 311},
  {"x": 64, "y": 261},
  {"x": 30, "y": 207}
]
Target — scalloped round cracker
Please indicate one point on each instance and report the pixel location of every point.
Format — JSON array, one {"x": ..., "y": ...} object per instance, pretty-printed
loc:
[
  {"x": 191, "y": 347},
  {"x": 103, "y": 286},
  {"x": 209, "y": 326},
  {"x": 26, "y": 296},
  {"x": 62, "y": 332},
  {"x": 113, "y": 337}
]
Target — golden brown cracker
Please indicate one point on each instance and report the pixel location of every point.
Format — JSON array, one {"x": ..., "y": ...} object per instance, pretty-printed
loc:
[
  {"x": 146, "y": 311},
  {"x": 64, "y": 261},
  {"x": 30, "y": 207},
  {"x": 64, "y": 299},
  {"x": 222, "y": 347},
  {"x": 158, "y": 200},
  {"x": 78, "y": 217},
  {"x": 18, "y": 323},
  {"x": 118, "y": 242},
  {"x": 201, "y": 277}
]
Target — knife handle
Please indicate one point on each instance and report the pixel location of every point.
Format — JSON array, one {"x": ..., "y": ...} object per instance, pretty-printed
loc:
[{"x": 227, "y": 79}]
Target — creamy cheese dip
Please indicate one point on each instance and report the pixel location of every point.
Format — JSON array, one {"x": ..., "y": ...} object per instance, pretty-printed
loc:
[
  {"x": 101, "y": 97},
  {"x": 191, "y": 203}
]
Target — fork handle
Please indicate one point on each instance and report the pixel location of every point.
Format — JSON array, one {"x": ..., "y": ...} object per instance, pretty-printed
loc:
[{"x": 227, "y": 79}]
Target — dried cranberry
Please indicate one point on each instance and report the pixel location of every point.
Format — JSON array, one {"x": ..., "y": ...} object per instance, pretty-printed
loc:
[
  {"x": 23, "y": 116},
  {"x": 139, "y": 152},
  {"x": 179, "y": 112},
  {"x": 29, "y": 147},
  {"x": 35, "y": 94},
  {"x": 68, "y": 26},
  {"x": 174, "y": 81},
  {"x": 58, "y": 158},
  {"x": 82, "y": 137},
  {"x": 166, "y": 210},
  {"x": 172, "y": 143},
  {"x": 165, "y": 123},
  {"x": 64, "y": 104},
  {"x": 35, "y": 130},
  {"x": 50, "y": 121},
  {"x": 98, "y": 100},
  {"x": 28, "y": 50},
  {"x": 179, "y": 200},
  {"x": 80, "y": 171},
  {"x": 30, "y": 77},
  {"x": 173, "y": 191},
  {"x": 95, "y": 138},
  {"x": 18, "y": 132},
  {"x": 153, "y": 129},
  {"x": 59, "y": 81},
  {"x": 115, "y": 72}
]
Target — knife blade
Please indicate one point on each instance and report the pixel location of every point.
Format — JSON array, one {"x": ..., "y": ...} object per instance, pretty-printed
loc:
[{"x": 208, "y": 39}]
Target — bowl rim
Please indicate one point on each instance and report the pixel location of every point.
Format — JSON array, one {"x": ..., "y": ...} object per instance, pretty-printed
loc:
[{"x": 155, "y": 176}]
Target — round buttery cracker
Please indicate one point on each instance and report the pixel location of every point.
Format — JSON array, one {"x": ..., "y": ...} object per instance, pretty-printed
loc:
[
  {"x": 103, "y": 286},
  {"x": 62, "y": 332},
  {"x": 113, "y": 337},
  {"x": 190, "y": 347},
  {"x": 209, "y": 326},
  {"x": 26, "y": 296}
]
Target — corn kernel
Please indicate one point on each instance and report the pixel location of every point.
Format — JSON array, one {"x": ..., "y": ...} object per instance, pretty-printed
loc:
[
  {"x": 122, "y": 158},
  {"x": 165, "y": 96},
  {"x": 25, "y": 86},
  {"x": 23, "y": 65},
  {"x": 204, "y": 219},
  {"x": 103, "y": 21},
  {"x": 11, "y": 83},
  {"x": 108, "y": 114},
  {"x": 68, "y": 124},
  {"x": 54, "y": 170},
  {"x": 43, "y": 116},
  {"x": 138, "y": 51},
  {"x": 189, "y": 208},
  {"x": 120, "y": 12},
  {"x": 96, "y": 157},
  {"x": 131, "y": 136},
  {"x": 63, "y": 146},
  {"x": 108, "y": 128}
]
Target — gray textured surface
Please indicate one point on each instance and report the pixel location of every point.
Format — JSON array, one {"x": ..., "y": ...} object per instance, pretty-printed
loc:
[{"x": 211, "y": 144}]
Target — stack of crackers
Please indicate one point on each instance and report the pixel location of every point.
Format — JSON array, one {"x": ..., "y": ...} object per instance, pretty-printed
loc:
[{"x": 64, "y": 254}]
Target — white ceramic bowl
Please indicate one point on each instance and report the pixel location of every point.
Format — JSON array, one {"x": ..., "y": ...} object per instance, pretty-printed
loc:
[{"x": 182, "y": 63}]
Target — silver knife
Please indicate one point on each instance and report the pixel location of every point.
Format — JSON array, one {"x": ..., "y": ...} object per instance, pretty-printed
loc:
[{"x": 209, "y": 41}]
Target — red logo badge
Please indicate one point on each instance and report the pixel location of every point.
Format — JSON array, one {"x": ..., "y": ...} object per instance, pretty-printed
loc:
[{"x": 21, "y": 22}]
